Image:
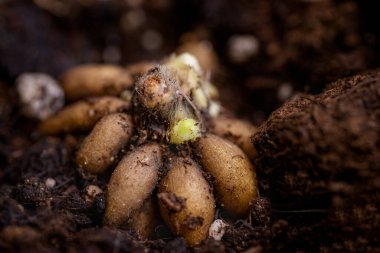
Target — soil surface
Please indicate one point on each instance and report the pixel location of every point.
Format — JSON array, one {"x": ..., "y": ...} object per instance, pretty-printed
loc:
[{"x": 318, "y": 140}]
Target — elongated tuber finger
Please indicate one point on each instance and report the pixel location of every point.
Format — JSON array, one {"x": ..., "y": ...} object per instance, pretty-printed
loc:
[
  {"x": 95, "y": 80},
  {"x": 145, "y": 219},
  {"x": 131, "y": 183},
  {"x": 237, "y": 131},
  {"x": 100, "y": 148},
  {"x": 81, "y": 115},
  {"x": 235, "y": 177},
  {"x": 186, "y": 201}
]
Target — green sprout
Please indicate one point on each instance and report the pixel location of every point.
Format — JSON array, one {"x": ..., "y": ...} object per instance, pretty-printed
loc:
[{"x": 184, "y": 130}]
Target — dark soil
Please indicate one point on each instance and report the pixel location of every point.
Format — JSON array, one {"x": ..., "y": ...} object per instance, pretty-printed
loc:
[
  {"x": 318, "y": 164},
  {"x": 320, "y": 155}
]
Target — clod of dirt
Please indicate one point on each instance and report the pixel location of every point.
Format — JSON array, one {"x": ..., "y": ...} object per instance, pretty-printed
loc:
[
  {"x": 321, "y": 154},
  {"x": 33, "y": 192},
  {"x": 326, "y": 143},
  {"x": 261, "y": 212},
  {"x": 171, "y": 200}
]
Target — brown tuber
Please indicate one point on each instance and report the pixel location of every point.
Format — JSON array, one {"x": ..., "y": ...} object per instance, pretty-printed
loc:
[
  {"x": 132, "y": 182},
  {"x": 171, "y": 105},
  {"x": 145, "y": 219},
  {"x": 95, "y": 80},
  {"x": 186, "y": 201},
  {"x": 237, "y": 131},
  {"x": 100, "y": 148},
  {"x": 81, "y": 115},
  {"x": 235, "y": 178}
]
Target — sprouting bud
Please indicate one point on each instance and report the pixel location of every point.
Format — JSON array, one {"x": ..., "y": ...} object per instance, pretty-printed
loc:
[
  {"x": 192, "y": 79},
  {"x": 184, "y": 130},
  {"x": 188, "y": 70},
  {"x": 183, "y": 126},
  {"x": 214, "y": 109},
  {"x": 211, "y": 90},
  {"x": 156, "y": 89},
  {"x": 175, "y": 92},
  {"x": 183, "y": 60},
  {"x": 199, "y": 97},
  {"x": 126, "y": 95}
]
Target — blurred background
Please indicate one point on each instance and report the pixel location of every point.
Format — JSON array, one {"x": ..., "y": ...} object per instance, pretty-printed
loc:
[{"x": 268, "y": 50}]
